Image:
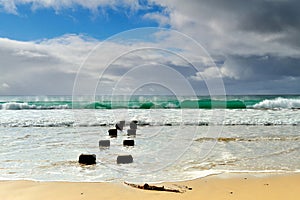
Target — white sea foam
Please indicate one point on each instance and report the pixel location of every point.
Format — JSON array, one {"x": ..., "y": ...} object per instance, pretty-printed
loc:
[
  {"x": 26, "y": 106},
  {"x": 157, "y": 117},
  {"x": 279, "y": 103},
  {"x": 16, "y": 106},
  {"x": 51, "y": 153},
  {"x": 44, "y": 145}
]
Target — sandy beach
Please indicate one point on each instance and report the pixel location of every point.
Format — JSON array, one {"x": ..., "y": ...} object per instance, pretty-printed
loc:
[
  {"x": 225, "y": 186},
  {"x": 182, "y": 100}
]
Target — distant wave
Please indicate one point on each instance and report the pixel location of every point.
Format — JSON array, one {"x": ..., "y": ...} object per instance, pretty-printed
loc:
[
  {"x": 279, "y": 103},
  {"x": 240, "y": 102},
  {"x": 166, "y": 104},
  {"x": 26, "y": 106},
  {"x": 69, "y": 123},
  {"x": 250, "y": 139},
  {"x": 215, "y": 104}
]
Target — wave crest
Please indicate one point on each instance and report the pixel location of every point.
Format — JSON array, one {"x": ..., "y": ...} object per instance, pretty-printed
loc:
[
  {"x": 24, "y": 106},
  {"x": 279, "y": 103}
]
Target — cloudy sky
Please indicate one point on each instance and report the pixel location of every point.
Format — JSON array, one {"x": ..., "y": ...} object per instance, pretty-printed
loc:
[{"x": 50, "y": 47}]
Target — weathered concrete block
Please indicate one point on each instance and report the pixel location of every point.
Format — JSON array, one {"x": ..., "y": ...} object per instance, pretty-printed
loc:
[
  {"x": 131, "y": 132},
  {"x": 113, "y": 132},
  {"x": 124, "y": 159},
  {"x": 120, "y": 125},
  {"x": 128, "y": 142},
  {"x": 104, "y": 143},
  {"x": 87, "y": 159},
  {"x": 133, "y": 125}
]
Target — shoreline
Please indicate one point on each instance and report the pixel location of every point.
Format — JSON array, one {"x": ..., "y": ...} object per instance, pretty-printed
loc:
[{"x": 222, "y": 186}]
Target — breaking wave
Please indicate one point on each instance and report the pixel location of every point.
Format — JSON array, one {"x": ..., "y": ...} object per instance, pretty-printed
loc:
[
  {"x": 278, "y": 103},
  {"x": 26, "y": 106},
  {"x": 161, "y": 102}
]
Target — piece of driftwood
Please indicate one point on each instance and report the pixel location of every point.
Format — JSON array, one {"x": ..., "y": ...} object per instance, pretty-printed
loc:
[{"x": 146, "y": 186}]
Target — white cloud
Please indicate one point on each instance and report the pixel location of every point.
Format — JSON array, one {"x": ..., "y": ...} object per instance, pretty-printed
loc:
[
  {"x": 179, "y": 21},
  {"x": 162, "y": 19},
  {"x": 30, "y": 54},
  {"x": 42, "y": 67},
  {"x": 216, "y": 25},
  {"x": 234, "y": 70},
  {"x": 209, "y": 73},
  {"x": 4, "y": 86},
  {"x": 50, "y": 66},
  {"x": 10, "y": 6}
]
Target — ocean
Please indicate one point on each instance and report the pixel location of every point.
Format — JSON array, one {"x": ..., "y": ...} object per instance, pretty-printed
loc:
[{"x": 177, "y": 138}]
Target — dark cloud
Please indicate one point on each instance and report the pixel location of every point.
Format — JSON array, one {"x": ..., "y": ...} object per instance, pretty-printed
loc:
[
  {"x": 258, "y": 41},
  {"x": 256, "y": 44},
  {"x": 262, "y": 74},
  {"x": 291, "y": 38},
  {"x": 263, "y": 67},
  {"x": 271, "y": 17},
  {"x": 262, "y": 17},
  {"x": 282, "y": 86}
]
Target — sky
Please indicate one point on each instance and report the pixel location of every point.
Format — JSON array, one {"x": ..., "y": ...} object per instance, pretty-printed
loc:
[{"x": 52, "y": 47}]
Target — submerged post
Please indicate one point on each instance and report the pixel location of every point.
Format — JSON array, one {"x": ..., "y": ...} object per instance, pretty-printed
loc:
[
  {"x": 124, "y": 159},
  {"x": 87, "y": 159}
]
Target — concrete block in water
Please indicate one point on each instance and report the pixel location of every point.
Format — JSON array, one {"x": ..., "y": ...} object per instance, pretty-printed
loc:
[
  {"x": 131, "y": 132},
  {"x": 128, "y": 142},
  {"x": 113, "y": 132},
  {"x": 104, "y": 143},
  {"x": 120, "y": 125},
  {"x": 87, "y": 159},
  {"x": 122, "y": 122},
  {"x": 133, "y": 125},
  {"x": 124, "y": 159}
]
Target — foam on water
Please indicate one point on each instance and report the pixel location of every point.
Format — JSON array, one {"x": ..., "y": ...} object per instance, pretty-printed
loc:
[
  {"x": 161, "y": 102},
  {"x": 26, "y": 106},
  {"x": 155, "y": 117},
  {"x": 16, "y": 106},
  {"x": 279, "y": 103},
  {"x": 44, "y": 144},
  {"x": 48, "y": 154}
]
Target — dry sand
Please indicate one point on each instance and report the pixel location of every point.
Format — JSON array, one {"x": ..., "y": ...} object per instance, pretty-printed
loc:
[{"x": 228, "y": 186}]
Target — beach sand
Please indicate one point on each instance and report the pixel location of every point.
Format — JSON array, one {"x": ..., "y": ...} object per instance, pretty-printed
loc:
[{"x": 226, "y": 186}]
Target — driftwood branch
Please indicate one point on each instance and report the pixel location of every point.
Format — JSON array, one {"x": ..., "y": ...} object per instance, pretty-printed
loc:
[{"x": 146, "y": 186}]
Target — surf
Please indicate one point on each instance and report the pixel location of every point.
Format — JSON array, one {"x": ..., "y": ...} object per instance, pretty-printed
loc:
[{"x": 151, "y": 102}]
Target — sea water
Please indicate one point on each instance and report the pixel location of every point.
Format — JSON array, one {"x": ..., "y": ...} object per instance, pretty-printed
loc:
[{"x": 42, "y": 137}]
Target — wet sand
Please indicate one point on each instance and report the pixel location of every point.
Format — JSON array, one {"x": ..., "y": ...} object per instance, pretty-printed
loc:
[{"x": 225, "y": 186}]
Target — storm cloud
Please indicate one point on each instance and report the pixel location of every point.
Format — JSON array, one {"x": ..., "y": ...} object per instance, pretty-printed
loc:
[{"x": 255, "y": 44}]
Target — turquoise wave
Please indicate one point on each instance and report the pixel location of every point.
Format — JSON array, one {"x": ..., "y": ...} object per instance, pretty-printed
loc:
[{"x": 162, "y": 102}]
